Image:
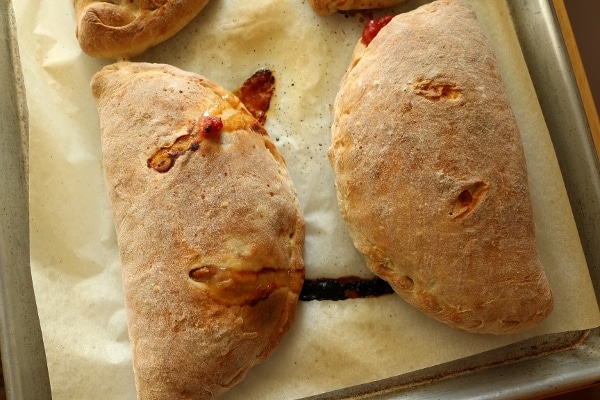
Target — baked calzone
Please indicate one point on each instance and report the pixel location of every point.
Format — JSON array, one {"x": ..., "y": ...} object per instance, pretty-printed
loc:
[
  {"x": 431, "y": 176},
  {"x": 208, "y": 224},
  {"x": 121, "y": 29}
]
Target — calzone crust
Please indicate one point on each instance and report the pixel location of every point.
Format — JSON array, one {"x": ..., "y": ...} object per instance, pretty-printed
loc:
[
  {"x": 431, "y": 176},
  {"x": 121, "y": 29},
  {"x": 209, "y": 228}
]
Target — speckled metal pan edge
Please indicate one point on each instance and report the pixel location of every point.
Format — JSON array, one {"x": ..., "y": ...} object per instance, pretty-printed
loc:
[{"x": 23, "y": 357}]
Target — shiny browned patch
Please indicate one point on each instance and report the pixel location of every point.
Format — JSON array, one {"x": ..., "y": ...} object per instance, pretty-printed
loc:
[
  {"x": 164, "y": 159},
  {"x": 235, "y": 287},
  {"x": 256, "y": 93}
]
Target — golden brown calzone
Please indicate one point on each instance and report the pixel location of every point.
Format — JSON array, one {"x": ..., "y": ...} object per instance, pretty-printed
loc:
[
  {"x": 431, "y": 175},
  {"x": 121, "y": 29},
  {"x": 208, "y": 224}
]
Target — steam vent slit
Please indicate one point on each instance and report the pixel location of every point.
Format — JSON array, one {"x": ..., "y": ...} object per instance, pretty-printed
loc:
[{"x": 468, "y": 199}]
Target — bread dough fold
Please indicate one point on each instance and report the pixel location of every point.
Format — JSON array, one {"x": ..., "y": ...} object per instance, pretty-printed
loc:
[{"x": 122, "y": 29}]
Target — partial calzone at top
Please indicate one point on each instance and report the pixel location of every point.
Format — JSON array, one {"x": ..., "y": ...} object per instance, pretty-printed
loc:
[{"x": 123, "y": 29}]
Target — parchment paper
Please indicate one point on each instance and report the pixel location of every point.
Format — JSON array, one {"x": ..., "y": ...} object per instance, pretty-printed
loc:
[{"x": 75, "y": 265}]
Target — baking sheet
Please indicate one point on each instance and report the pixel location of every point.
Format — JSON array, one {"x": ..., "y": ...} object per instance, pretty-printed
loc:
[
  {"x": 332, "y": 345},
  {"x": 24, "y": 372}
]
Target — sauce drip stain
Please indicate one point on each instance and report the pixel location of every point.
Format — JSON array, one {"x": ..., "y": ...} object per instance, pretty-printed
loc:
[
  {"x": 256, "y": 93},
  {"x": 238, "y": 287},
  {"x": 349, "y": 287}
]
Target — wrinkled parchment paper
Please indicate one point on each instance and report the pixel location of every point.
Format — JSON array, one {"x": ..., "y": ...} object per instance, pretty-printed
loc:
[{"x": 332, "y": 345}]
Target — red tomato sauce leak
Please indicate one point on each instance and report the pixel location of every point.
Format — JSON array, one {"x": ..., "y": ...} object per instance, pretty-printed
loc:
[
  {"x": 373, "y": 27},
  {"x": 211, "y": 126}
]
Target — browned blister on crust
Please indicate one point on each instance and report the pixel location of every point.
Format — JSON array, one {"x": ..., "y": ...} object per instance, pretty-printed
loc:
[
  {"x": 210, "y": 242},
  {"x": 431, "y": 175},
  {"x": 121, "y": 29}
]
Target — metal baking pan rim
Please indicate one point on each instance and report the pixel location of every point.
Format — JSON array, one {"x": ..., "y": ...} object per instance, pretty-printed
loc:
[
  {"x": 528, "y": 378},
  {"x": 25, "y": 371},
  {"x": 423, "y": 382}
]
